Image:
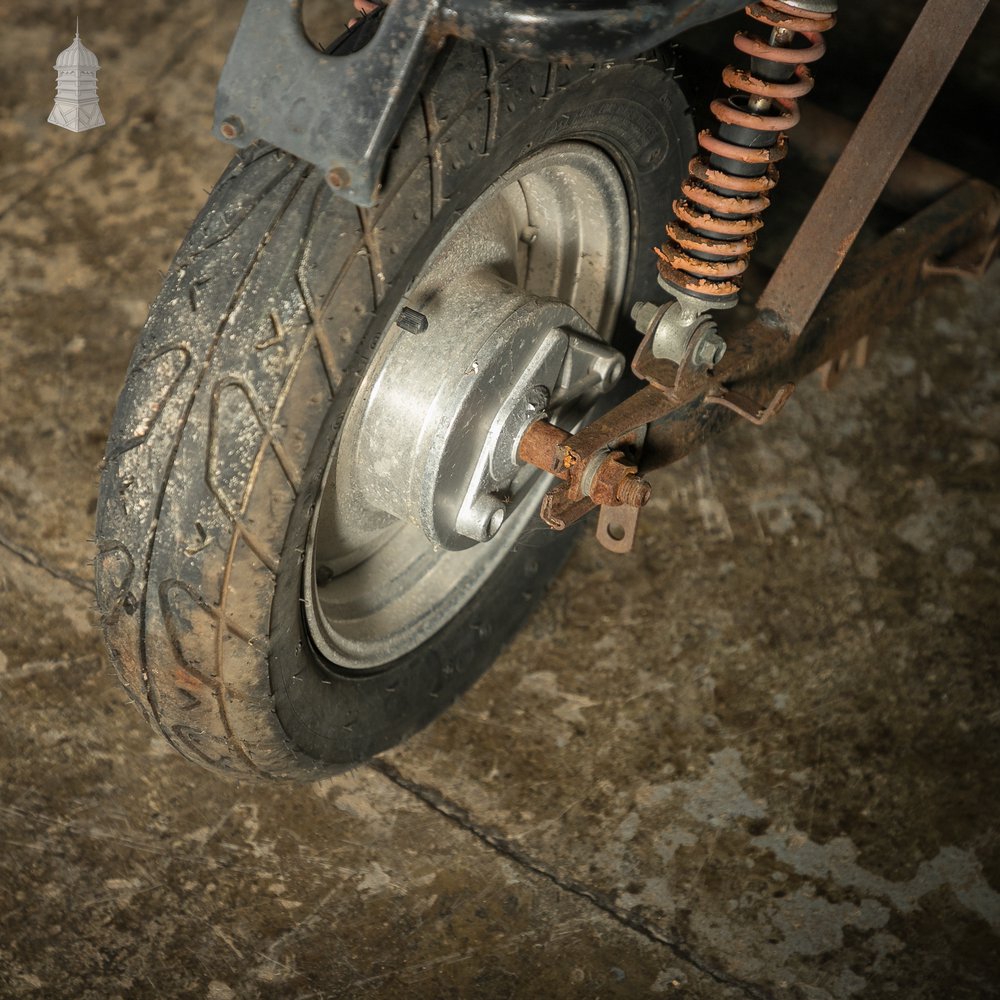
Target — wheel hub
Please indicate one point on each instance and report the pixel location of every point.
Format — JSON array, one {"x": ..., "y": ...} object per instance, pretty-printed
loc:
[{"x": 439, "y": 434}]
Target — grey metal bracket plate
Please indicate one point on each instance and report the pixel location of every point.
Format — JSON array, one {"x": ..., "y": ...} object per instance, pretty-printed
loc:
[
  {"x": 277, "y": 87},
  {"x": 342, "y": 112}
]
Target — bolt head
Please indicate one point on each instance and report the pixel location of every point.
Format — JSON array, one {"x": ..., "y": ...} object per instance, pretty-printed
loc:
[
  {"x": 231, "y": 128},
  {"x": 338, "y": 177}
]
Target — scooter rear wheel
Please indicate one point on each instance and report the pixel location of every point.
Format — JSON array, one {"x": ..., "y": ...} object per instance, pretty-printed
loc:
[{"x": 290, "y": 576}]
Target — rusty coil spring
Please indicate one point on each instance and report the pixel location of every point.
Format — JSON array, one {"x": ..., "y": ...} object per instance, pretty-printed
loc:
[{"x": 719, "y": 213}]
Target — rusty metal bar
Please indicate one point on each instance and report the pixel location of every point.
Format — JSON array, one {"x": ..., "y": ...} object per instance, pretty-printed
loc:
[
  {"x": 872, "y": 153},
  {"x": 890, "y": 276}
]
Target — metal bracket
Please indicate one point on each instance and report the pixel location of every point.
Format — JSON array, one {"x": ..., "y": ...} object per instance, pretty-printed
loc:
[
  {"x": 596, "y": 482},
  {"x": 868, "y": 160},
  {"x": 276, "y": 86},
  {"x": 971, "y": 261},
  {"x": 746, "y": 408},
  {"x": 617, "y": 528},
  {"x": 852, "y": 357},
  {"x": 342, "y": 112}
]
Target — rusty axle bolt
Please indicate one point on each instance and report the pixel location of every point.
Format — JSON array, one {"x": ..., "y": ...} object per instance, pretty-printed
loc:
[
  {"x": 608, "y": 481},
  {"x": 634, "y": 491},
  {"x": 541, "y": 446}
]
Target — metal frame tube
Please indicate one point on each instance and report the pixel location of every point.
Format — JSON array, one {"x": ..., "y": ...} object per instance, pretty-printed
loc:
[{"x": 878, "y": 143}]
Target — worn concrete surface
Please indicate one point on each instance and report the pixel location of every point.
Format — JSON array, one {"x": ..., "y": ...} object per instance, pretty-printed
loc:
[{"x": 777, "y": 778}]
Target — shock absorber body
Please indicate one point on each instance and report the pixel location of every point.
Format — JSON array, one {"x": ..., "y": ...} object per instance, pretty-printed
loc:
[{"x": 719, "y": 213}]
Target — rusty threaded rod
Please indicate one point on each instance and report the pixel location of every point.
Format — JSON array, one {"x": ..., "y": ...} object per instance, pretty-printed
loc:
[{"x": 612, "y": 484}]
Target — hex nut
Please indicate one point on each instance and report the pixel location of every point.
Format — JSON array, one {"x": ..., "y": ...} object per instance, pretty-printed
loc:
[
  {"x": 709, "y": 349},
  {"x": 614, "y": 483},
  {"x": 643, "y": 314}
]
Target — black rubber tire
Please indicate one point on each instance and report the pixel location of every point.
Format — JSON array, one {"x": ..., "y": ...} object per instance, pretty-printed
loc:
[{"x": 235, "y": 394}]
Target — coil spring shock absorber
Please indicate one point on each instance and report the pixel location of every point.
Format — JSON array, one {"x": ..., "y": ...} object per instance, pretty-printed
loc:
[{"x": 719, "y": 214}]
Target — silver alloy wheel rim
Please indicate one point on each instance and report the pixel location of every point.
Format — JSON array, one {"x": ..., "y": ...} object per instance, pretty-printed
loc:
[{"x": 375, "y": 587}]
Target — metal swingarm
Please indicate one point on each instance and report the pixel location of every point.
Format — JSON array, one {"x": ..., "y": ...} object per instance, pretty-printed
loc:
[{"x": 813, "y": 314}]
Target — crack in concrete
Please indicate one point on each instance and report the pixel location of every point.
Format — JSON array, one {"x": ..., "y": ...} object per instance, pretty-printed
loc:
[
  {"x": 29, "y": 557},
  {"x": 452, "y": 811}
]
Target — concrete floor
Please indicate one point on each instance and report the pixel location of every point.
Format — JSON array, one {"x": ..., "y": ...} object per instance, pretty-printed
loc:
[{"x": 778, "y": 777}]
